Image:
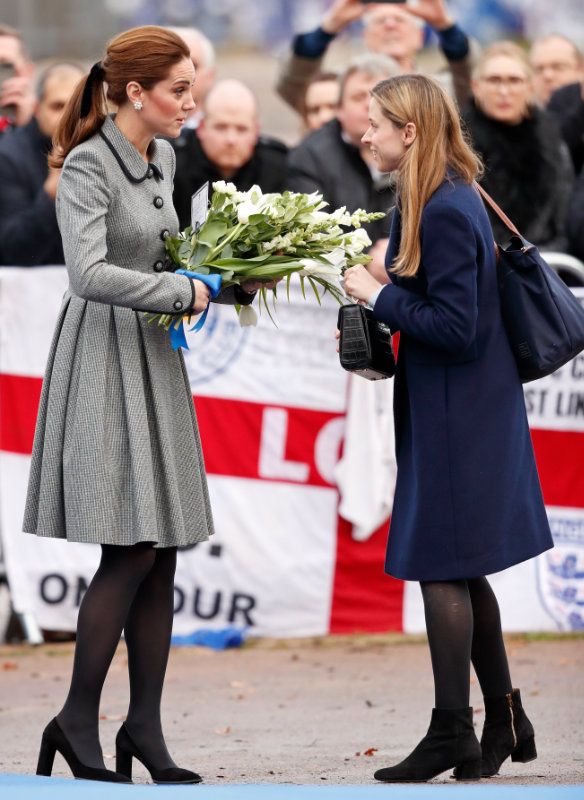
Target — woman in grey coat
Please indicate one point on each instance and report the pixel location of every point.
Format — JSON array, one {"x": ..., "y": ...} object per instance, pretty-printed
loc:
[{"x": 117, "y": 458}]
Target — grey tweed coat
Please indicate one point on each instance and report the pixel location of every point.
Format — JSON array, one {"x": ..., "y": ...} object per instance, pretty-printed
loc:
[{"x": 117, "y": 457}]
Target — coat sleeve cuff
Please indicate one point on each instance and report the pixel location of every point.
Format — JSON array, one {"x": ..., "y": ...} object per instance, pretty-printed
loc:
[
  {"x": 312, "y": 44},
  {"x": 454, "y": 43}
]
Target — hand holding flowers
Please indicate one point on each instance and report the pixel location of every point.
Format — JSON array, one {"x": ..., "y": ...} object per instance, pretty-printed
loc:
[{"x": 254, "y": 240}]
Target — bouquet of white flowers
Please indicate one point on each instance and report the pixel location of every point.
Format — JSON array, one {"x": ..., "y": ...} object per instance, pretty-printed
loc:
[{"x": 251, "y": 236}]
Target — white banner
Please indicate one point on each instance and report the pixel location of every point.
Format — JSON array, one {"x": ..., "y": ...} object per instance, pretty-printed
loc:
[{"x": 271, "y": 404}]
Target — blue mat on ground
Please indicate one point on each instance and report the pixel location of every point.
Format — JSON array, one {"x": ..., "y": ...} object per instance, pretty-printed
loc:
[{"x": 25, "y": 787}]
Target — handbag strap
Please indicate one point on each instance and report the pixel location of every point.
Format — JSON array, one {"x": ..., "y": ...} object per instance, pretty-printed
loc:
[{"x": 501, "y": 214}]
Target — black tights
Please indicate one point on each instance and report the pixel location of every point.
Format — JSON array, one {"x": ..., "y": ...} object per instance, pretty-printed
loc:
[
  {"x": 132, "y": 591},
  {"x": 464, "y": 625}
]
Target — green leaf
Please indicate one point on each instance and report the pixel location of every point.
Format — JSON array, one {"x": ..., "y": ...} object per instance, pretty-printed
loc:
[
  {"x": 314, "y": 289},
  {"x": 199, "y": 256},
  {"x": 212, "y": 230},
  {"x": 263, "y": 296},
  {"x": 302, "y": 286}
]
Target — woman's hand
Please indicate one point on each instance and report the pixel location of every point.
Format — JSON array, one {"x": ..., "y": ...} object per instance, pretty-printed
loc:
[
  {"x": 201, "y": 296},
  {"x": 338, "y": 338},
  {"x": 358, "y": 283}
]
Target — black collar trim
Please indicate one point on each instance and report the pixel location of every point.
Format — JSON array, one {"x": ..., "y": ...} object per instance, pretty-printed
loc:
[{"x": 151, "y": 169}]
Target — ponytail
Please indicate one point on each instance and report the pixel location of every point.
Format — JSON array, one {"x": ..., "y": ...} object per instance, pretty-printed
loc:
[{"x": 83, "y": 116}]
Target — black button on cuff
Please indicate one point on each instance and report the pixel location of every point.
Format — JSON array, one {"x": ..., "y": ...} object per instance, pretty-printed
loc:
[
  {"x": 158, "y": 202},
  {"x": 149, "y": 172},
  {"x": 164, "y": 234},
  {"x": 158, "y": 266},
  {"x": 178, "y": 305}
]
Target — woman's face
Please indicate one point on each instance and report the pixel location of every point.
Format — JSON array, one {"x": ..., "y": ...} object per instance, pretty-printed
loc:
[
  {"x": 169, "y": 102},
  {"x": 388, "y": 143},
  {"x": 503, "y": 90}
]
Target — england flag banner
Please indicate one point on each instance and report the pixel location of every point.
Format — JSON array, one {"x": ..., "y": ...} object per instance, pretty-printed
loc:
[{"x": 300, "y": 466}]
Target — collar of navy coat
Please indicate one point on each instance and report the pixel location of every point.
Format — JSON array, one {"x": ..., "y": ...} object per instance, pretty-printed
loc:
[{"x": 131, "y": 162}]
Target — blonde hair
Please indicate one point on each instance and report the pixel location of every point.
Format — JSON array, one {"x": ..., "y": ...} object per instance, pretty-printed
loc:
[
  {"x": 440, "y": 144},
  {"x": 502, "y": 48}
]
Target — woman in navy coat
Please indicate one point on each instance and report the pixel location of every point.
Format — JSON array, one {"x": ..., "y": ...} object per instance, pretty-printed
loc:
[{"x": 468, "y": 501}]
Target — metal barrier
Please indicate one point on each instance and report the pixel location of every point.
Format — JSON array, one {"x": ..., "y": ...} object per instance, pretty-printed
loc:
[{"x": 569, "y": 268}]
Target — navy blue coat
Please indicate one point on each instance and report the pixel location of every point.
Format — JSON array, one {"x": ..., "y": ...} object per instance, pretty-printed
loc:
[
  {"x": 467, "y": 500},
  {"x": 29, "y": 234}
]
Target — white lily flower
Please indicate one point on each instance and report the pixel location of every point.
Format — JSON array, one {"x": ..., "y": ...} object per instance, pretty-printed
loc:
[
  {"x": 316, "y": 269},
  {"x": 336, "y": 257},
  {"x": 247, "y": 317}
]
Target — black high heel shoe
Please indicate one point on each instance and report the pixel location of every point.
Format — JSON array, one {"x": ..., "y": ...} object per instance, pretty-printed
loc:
[
  {"x": 126, "y": 750},
  {"x": 53, "y": 741}
]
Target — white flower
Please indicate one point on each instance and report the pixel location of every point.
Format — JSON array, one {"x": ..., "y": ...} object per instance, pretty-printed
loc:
[
  {"x": 253, "y": 195},
  {"x": 357, "y": 241},
  {"x": 340, "y": 217},
  {"x": 316, "y": 269},
  {"x": 245, "y": 210},
  {"x": 247, "y": 316},
  {"x": 224, "y": 188},
  {"x": 336, "y": 257},
  {"x": 279, "y": 243}
]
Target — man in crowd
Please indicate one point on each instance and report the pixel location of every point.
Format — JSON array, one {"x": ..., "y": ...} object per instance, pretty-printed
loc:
[
  {"x": 29, "y": 235},
  {"x": 17, "y": 98},
  {"x": 388, "y": 30},
  {"x": 556, "y": 62},
  {"x": 333, "y": 161},
  {"x": 321, "y": 101},
  {"x": 203, "y": 58},
  {"x": 227, "y": 145},
  {"x": 567, "y": 101}
]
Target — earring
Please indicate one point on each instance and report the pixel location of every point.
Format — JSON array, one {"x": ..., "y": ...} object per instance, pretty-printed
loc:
[{"x": 138, "y": 105}]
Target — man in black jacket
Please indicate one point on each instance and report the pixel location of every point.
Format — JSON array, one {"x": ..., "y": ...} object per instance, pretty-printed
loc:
[
  {"x": 567, "y": 106},
  {"x": 29, "y": 235},
  {"x": 333, "y": 161},
  {"x": 227, "y": 145}
]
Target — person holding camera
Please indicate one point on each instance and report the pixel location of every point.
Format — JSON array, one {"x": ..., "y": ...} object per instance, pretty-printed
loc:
[
  {"x": 468, "y": 501},
  {"x": 394, "y": 30},
  {"x": 17, "y": 97}
]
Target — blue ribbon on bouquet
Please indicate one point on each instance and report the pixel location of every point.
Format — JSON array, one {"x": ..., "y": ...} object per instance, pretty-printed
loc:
[{"x": 177, "y": 335}]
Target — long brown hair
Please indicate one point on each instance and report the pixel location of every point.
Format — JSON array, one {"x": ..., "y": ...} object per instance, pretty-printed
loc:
[
  {"x": 440, "y": 144},
  {"x": 144, "y": 55}
]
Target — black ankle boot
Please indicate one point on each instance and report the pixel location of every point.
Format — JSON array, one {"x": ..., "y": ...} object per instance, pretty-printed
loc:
[
  {"x": 507, "y": 732},
  {"x": 126, "y": 749},
  {"x": 450, "y": 742},
  {"x": 55, "y": 741}
]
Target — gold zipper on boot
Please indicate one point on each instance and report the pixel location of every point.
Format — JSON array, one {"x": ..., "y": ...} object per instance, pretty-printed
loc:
[{"x": 510, "y": 701}]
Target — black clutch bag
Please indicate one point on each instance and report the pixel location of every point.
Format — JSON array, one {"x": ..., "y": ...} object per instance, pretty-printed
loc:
[{"x": 365, "y": 344}]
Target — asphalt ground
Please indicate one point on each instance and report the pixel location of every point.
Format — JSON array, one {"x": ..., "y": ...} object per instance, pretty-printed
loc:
[{"x": 310, "y": 712}]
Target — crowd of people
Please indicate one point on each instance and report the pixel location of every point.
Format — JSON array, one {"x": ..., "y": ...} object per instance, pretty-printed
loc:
[{"x": 522, "y": 109}]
